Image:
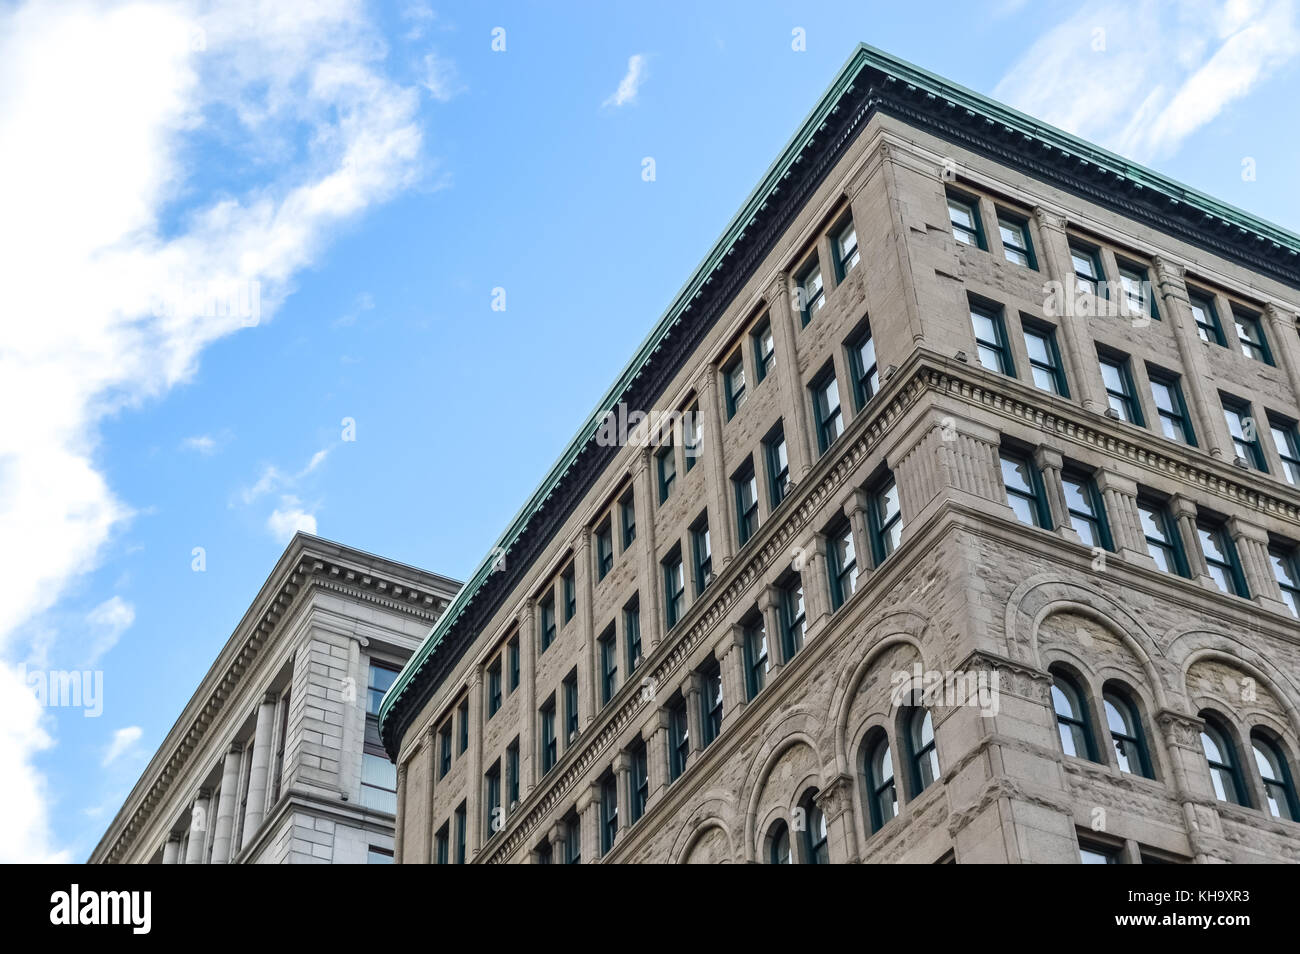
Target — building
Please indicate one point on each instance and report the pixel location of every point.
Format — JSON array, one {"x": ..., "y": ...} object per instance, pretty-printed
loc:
[
  {"x": 979, "y": 544},
  {"x": 277, "y": 758}
]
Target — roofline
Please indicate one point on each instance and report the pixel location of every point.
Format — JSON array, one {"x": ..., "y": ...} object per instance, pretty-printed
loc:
[{"x": 864, "y": 57}]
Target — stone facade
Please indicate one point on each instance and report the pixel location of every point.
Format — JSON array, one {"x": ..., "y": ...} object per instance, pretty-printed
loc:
[
  {"x": 973, "y": 588},
  {"x": 266, "y": 763}
]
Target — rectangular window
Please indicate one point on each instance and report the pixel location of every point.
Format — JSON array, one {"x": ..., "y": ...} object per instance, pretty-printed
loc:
[
  {"x": 608, "y": 665},
  {"x": 573, "y": 841},
  {"x": 639, "y": 782},
  {"x": 862, "y": 363},
  {"x": 494, "y": 687},
  {"x": 733, "y": 385},
  {"x": 627, "y": 519},
  {"x": 1167, "y": 393},
  {"x": 778, "y": 466},
  {"x": 711, "y": 703},
  {"x": 442, "y": 846},
  {"x": 1045, "y": 359},
  {"x": 792, "y": 618},
  {"x": 826, "y": 406},
  {"x": 1162, "y": 537},
  {"x": 666, "y": 466},
  {"x": 608, "y": 813},
  {"x": 845, "y": 244},
  {"x": 1221, "y": 558},
  {"x": 756, "y": 657},
  {"x": 380, "y": 680},
  {"x": 842, "y": 563},
  {"x": 492, "y": 790},
  {"x": 692, "y": 436},
  {"x": 1250, "y": 332},
  {"x": 462, "y": 722},
  {"x": 1025, "y": 493},
  {"x": 512, "y": 660},
  {"x": 548, "y": 621},
  {"x": 964, "y": 214},
  {"x": 991, "y": 340},
  {"x": 512, "y": 775},
  {"x": 674, "y": 589},
  {"x": 570, "y": 589},
  {"x": 570, "y": 708},
  {"x": 1119, "y": 389},
  {"x": 444, "y": 749},
  {"x": 1286, "y": 438},
  {"x": 701, "y": 554},
  {"x": 549, "y": 749},
  {"x": 746, "y": 487},
  {"x": 378, "y": 783},
  {"x": 378, "y": 856},
  {"x": 764, "y": 351},
  {"x": 1087, "y": 512},
  {"x": 808, "y": 288},
  {"x": 1017, "y": 247},
  {"x": 460, "y": 834},
  {"x": 679, "y": 740},
  {"x": 885, "y": 520},
  {"x": 1087, "y": 269},
  {"x": 1206, "y": 317},
  {"x": 632, "y": 634},
  {"x": 1286, "y": 570},
  {"x": 1139, "y": 297},
  {"x": 604, "y": 550},
  {"x": 1245, "y": 436}
]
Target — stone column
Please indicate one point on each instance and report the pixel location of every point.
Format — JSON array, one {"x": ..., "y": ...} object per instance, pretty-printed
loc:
[
  {"x": 1184, "y": 513},
  {"x": 431, "y": 774},
  {"x": 722, "y": 520},
  {"x": 815, "y": 579},
  {"x": 199, "y": 824},
  {"x": 769, "y": 604},
  {"x": 587, "y": 669},
  {"x": 172, "y": 849},
  {"x": 794, "y": 407},
  {"x": 856, "y": 508},
  {"x": 1284, "y": 342},
  {"x": 836, "y": 803},
  {"x": 1119, "y": 496},
  {"x": 623, "y": 776},
  {"x": 730, "y": 654},
  {"x": 1191, "y": 782},
  {"x": 528, "y": 683},
  {"x": 1251, "y": 542},
  {"x": 475, "y": 780},
  {"x": 399, "y": 832},
  {"x": 1079, "y": 352},
  {"x": 557, "y": 838},
  {"x": 588, "y": 807},
  {"x": 655, "y": 735},
  {"x": 256, "y": 807},
  {"x": 651, "y": 607},
  {"x": 692, "y": 691},
  {"x": 226, "y": 802},
  {"x": 1049, "y": 463}
]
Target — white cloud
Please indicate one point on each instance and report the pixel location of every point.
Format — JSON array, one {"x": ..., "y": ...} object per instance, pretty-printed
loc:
[
  {"x": 202, "y": 443},
  {"x": 438, "y": 76},
  {"x": 1140, "y": 77},
  {"x": 289, "y": 518},
  {"x": 25, "y": 836},
  {"x": 105, "y": 236},
  {"x": 631, "y": 82},
  {"x": 107, "y": 622},
  {"x": 122, "y": 740}
]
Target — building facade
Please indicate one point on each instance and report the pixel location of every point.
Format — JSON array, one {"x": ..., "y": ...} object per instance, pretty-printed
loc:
[
  {"x": 978, "y": 542},
  {"x": 277, "y": 759}
]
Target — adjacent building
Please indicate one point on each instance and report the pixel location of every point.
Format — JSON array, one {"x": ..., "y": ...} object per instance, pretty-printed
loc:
[
  {"x": 978, "y": 542},
  {"x": 277, "y": 757}
]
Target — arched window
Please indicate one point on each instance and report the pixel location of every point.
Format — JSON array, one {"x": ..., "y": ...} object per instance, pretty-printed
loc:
[
  {"x": 1222, "y": 760},
  {"x": 922, "y": 757},
  {"x": 778, "y": 851},
  {"x": 1279, "y": 790},
  {"x": 816, "y": 851},
  {"x": 1126, "y": 733},
  {"x": 880, "y": 781},
  {"x": 1072, "y": 717}
]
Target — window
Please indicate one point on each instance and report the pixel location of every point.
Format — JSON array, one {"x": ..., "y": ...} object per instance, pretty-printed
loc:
[
  {"x": 964, "y": 214},
  {"x": 1090, "y": 854},
  {"x": 604, "y": 550},
  {"x": 460, "y": 834},
  {"x": 711, "y": 703},
  {"x": 1221, "y": 758},
  {"x": 512, "y": 660},
  {"x": 1286, "y": 438},
  {"x": 1126, "y": 733},
  {"x": 570, "y": 708},
  {"x": 1286, "y": 570},
  {"x": 816, "y": 850},
  {"x": 862, "y": 364},
  {"x": 1221, "y": 558},
  {"x": 1162, "y": 538},
  {"x": 462, "y": 716},
  {"x": 572, "y": 840},
  {"x": 512, "y": 774},
  {"x": 545, "y": 854},
  {"x": 693, "y": 439},
  {"x": 701, "y": 554},
  {"x": 549, "y": 749},
  {"x": 378, "y": 774},
  {"x": 679, "y": 740},
  {"x": 1119, "y": 389},
  {"x": 1087, "y": 269},
  {"x": 1045, "y": 359},
  {"x": 674, "y": 589},
  {"x": 639, "y": 782},
  {"x": 548, "y": 622},
  {"x": 1072, "y": 717},
  {"x": 570, "y": 590},
  {"x": 1279, "y": 790},
  {"x": 1245, "y": 438},
  {"x": 1139, "y": 297},
  {"x": 811, "y": 296},
  {"x": 733, "y": 385},
  {"x": 778, "y": 466},
  {"x": 746, "y": 487},
  {"x": 632, "y": 634},
  {"x": 826, "y": 406},
  {"x": 1025, "y": 493},
  {"x": 1017, "y": 247},
  {"x": 1170, "y": 407},
  {"x": 492, "y": 785},
  {"x": 494, "y": 687},
  {"x": 1251, "y": 335},
  {"x": 1206, "y": 317},
  {"x": 792, "y": 618},
  {"x": 442, "y": 845},
  {"x": 608, "y": 813},
  {"x": 778, "y": 842},
  {"x": 666, "y": 467},
  {"x": 756, "y": 658},
  {"x": 921, "y": 751},
  {"x": 991, "y": 340},
  {"x": 608, "y": 665},
  {"x": 627, "y": 519},
  {"x": 764, "y": 351},
  {"x": 1085, "y": 510},
  {"x": 885, "y": 521},
  {"x": 378, "y": 783},
  {"x": 842, "y": 563},
  {"x": 444, "y": 749},
  {"x": 880, "y": 781},
  {"x": 380, "y": 680},
  {"x": 845, "y": 245}
]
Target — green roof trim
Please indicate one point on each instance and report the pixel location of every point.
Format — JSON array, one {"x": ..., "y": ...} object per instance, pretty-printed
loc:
[{"x": 864, "y": 58}]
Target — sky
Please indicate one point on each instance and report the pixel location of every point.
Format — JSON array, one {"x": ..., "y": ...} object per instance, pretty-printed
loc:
[{"x": 363, "y": 269}]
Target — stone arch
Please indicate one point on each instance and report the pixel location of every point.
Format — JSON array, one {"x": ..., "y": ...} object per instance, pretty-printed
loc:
[
  {"x": 798, "y": 728},
  {"x": 1226, "y": 651},
  {"x": 716, "y": 809},
  {"x": 710, "y": 843}
]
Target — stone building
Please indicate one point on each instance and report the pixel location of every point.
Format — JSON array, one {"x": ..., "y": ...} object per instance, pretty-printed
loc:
[
  {"x": 277, "y": 757},
  {"x": 979, "y": 543}
]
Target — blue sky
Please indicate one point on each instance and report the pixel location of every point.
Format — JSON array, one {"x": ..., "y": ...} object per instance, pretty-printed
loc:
[{"x": 379, "y": 171}]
